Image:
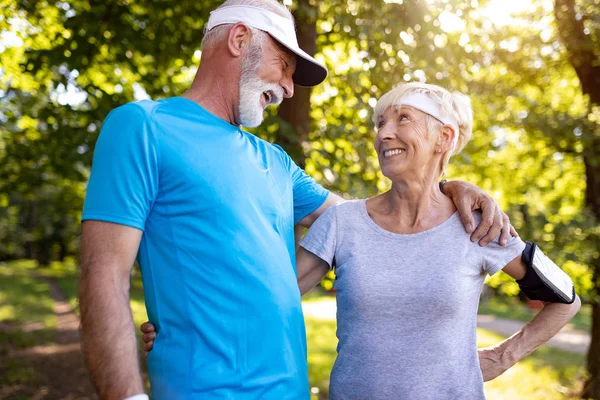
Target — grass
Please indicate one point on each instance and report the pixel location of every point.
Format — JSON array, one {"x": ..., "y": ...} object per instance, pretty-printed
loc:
[
  {"x": 23, "y": 298},
  {"x": 26, "y": 309},
  {"x": 546, "y": 374},
  {"x": 26, "y": 318},
  {"x": 512, "y": 308}
]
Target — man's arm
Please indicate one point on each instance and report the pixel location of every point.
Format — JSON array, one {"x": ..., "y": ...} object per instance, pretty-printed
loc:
[
  {"x": 108, "y": 338},
  {"x": 331, "y": 200}
]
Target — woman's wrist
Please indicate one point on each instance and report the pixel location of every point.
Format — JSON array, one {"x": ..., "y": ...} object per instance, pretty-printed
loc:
[{"x": 510, "y": 351}]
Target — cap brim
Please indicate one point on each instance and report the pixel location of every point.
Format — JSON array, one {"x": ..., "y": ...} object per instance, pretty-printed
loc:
[{"x": 309, "y": 72}]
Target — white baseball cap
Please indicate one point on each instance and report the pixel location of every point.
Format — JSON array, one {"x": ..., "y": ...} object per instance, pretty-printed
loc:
[{"x": 309, "y": 72}]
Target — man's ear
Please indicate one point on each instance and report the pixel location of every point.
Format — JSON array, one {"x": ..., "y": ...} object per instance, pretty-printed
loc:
[{"x": 238, "y": 39}]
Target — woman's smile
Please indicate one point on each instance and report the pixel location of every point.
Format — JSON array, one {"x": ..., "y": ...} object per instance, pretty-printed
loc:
[{"x": 387, "y": 154}]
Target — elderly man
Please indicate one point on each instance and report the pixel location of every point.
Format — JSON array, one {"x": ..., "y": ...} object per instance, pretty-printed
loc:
[{"x": 209, "y": 212}]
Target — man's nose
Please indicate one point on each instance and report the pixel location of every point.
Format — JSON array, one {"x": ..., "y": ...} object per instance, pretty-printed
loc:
[{"x": 288, "y": 86}]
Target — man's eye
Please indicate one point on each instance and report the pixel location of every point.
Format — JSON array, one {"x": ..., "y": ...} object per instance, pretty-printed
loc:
[{"x": 380, "y": 124}]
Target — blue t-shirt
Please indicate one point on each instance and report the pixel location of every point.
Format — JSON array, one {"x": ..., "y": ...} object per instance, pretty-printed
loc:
[{"x": 218, "y": 207}]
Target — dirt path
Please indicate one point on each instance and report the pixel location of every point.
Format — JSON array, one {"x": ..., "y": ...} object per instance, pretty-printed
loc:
[{"x": 58, "y": 371}]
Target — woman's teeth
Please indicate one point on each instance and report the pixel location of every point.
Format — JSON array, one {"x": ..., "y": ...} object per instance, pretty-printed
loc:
[{"x": 389, "y": 153}]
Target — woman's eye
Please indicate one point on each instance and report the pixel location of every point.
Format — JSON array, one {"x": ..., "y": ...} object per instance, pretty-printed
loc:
[
  {"x": 403, "y": 117},
  {"x": 380, "y": 124}
]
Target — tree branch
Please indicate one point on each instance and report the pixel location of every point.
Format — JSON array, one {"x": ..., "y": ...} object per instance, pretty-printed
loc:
[{"x": 580, "y": 48}]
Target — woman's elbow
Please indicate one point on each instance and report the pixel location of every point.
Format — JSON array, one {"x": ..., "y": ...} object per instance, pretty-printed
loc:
[
  {"x": 576, "y": 305},
  {"x": 570, "y": 310},
  {"x": 567, "y": 310}
]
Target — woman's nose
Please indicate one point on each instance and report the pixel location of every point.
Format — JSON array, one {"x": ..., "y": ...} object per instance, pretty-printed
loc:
[{"x": 386, "y": 133}]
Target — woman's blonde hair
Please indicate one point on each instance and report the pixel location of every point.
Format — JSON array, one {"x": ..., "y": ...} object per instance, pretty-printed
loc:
[{"x": 455, "y": 105}]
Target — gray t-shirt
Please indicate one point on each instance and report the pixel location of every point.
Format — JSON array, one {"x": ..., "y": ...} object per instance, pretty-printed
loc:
[{"x": 406, "y": 305}]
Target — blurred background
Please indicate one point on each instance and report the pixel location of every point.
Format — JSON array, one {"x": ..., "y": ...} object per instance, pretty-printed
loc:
[{"x": 531, "y": 68}]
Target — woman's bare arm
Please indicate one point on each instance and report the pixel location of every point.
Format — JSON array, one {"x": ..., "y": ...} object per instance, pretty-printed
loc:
[
  {"x": 547, "y": 323},
  {"x": 310, "y": 269}
]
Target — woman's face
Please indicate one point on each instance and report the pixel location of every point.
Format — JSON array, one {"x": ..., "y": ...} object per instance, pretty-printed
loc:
[{"x": 402, "y": 143}]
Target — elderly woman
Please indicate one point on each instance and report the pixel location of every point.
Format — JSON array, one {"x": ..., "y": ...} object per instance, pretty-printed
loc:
[{"x": 408, "y": 277}]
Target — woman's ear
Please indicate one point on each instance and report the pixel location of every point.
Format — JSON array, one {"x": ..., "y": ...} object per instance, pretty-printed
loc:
[{"x": 446, "y": 138}]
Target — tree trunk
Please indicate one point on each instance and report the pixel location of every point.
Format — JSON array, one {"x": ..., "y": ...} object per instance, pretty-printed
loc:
[
  {"x": 295, "y": 111},
  {"x": 44, "y": 252},
  {"x": 28, "y": 217},
  {"x": 592, "y": 169},
  {"x": 581, "y": 53},
  {"x": 580, "y": 48},
  {"x": 591, "y": 388},
  {"x": 64, "y": 249}
]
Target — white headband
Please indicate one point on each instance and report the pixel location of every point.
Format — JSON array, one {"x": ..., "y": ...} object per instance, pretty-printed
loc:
[
  {"x": 428, "y": 106},
  {"x": 309, "y": 72}
]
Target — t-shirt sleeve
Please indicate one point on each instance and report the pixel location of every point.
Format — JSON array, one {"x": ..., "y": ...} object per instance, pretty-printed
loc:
[
  {"x": 308, "y": 194},
  {"x": 496, "y": 257},
  {"x": 321, "y": 238},
  {"x": 124, "y": 178}
]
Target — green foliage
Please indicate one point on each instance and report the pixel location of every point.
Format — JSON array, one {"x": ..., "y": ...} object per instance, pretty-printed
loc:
[{"x": 70, "y": 62}]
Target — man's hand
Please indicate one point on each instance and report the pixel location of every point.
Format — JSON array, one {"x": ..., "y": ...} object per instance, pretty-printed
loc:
[
  {"x": 149, "y": 334},
  {"x": 468, "y": 197},
  {"x": 490, "y": 363}
]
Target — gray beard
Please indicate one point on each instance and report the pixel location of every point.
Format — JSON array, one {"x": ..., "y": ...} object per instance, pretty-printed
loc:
[{"x": 251, "y": 89}]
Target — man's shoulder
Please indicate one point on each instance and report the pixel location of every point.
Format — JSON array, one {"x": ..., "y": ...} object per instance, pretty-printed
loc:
[
  {"x": 135, "y": 111},
  {"x": 268, "y": 146},
  {"x": 273, "y": 149}
]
